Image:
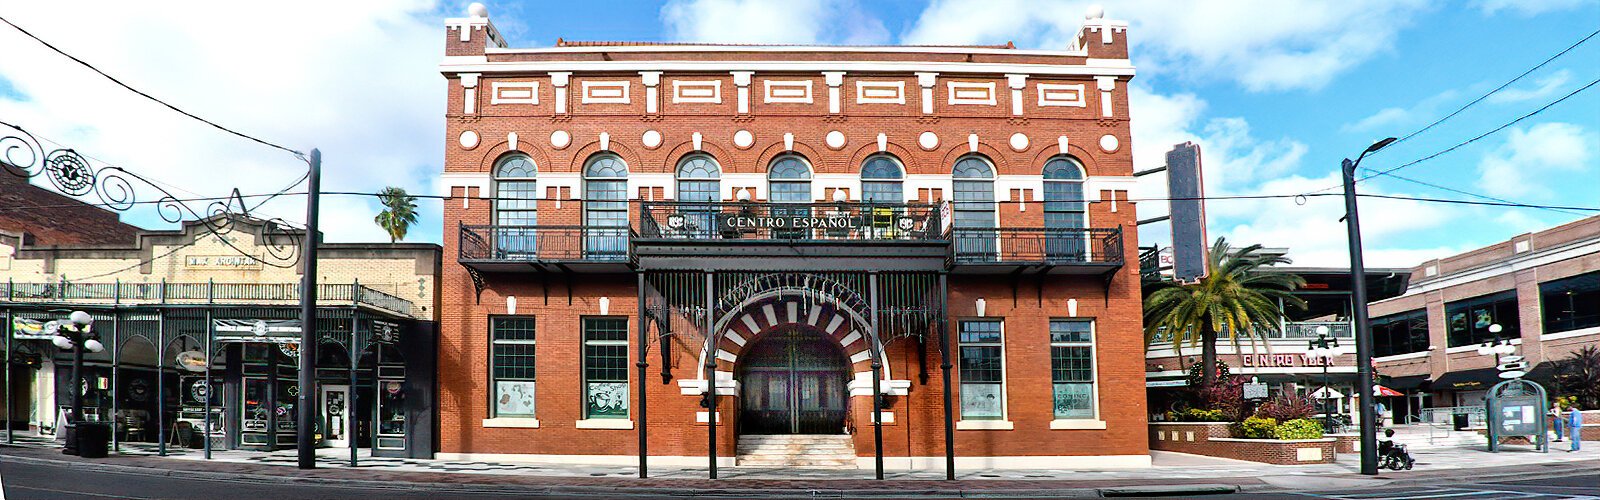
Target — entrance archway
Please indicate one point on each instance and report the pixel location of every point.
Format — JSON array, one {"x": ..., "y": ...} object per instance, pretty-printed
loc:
[{"x": 793, "y": 380}]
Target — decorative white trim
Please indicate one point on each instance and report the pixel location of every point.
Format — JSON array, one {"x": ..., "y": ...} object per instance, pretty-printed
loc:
[
  {"x": 452, "y": 66},
  {"x": 468, "y": 139},
  {"x": 701, "y": 417},
  {"x": 1474, "y": 347},
  {"x": 880, "y": 92},
  {"x": 697, "y": 91},
  {"x": 1057, "y": 462},
  {"x": 1061, "y": 94},
  {"x": 463, "y": 180},
  {"x": 985, "y": 425},
  {"x": 604, "y": 423},
  {"x": 1019, "y": 142},
  {"x": 606, "y": 91},
  {"x": 511, "y": 141},
  {"x": 1521, "y": 262},
  {"x": 726, "y": 385},
  {"x": 511, "y": 423},
  {"x": 469, "y": 93},
  {"x": 928, "y": 140},
  {"x": 743, "y": 139},
  {"x": 899, "y": 49},
  {"x": 559, "y": 80},
  {"x": 1401, "y": 357},
  {"x": 1570, "y": 334},
  {"x": 883, "y": 142},
  {"x": 971, "y": 93},
  {"x": 651, "y": 139},
  {"x": 862, "y": 385},
  {"x": 1106, "y": 84},
  {"x": 514, "y": 93},
  {"x": 652, "y": 91},
  {"x": 560, "y": 139},
  {"x": 926, "y": 80},
  {"x": 1017, "y": 84},
  {"x": 1109, "y": 143},
  {"x": 786, "y": 91},
  {"x": 834, "y": 140},
  {"x": 1062, "y": 424},
  {"x": 888, "y": 417},
  {"x": 741, "y": 79},
  {"x": 833, "y": 79}
]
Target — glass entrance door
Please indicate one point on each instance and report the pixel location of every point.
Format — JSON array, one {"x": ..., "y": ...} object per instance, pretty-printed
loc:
[
  {"x": 793, "y": 382},
  {"x": 335, "y": 406}
]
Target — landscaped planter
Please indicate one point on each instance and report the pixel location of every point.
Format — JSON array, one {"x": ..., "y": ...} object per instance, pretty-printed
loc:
[
  {"x": 1212, "y": 439},
  {"x": 1346, "y": 443}
]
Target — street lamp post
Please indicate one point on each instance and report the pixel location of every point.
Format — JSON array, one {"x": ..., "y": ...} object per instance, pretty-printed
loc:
[
  {"x": 1323, "y": 348},
  {"x": 75, "y": 334},
  {"x": 1358, "y": 285}
]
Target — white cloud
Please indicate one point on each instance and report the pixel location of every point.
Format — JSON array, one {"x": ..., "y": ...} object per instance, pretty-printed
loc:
[
  {"x": 1528, "y": 8},
  {"x": 1531, "y": 154},
  {"x": 772, "y": 21},
  {"x": 356, "y": 79},
  {"x": 1261, "y": 44},
  {"x": 1542, "y": 88}
]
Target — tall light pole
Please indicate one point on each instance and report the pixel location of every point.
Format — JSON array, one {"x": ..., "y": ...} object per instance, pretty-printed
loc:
[
  {"x": 305, "y": 445},
  {"x": 1358, "y": 285},
  {"x": 76, "y": 334}
]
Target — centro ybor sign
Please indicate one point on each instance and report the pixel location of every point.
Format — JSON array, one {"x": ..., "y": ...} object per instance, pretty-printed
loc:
[
  {"x": 1275, "y": 360},
  {"x": 790, "y": 222}
]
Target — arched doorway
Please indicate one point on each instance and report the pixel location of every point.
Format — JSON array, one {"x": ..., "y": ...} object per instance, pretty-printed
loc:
[{"x": 793, "y": 381}]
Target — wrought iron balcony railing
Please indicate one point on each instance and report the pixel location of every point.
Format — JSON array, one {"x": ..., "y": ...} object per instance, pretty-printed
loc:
[
  {"x": 545, "y": 243},
  {"x": 750, "y": 221},
  {"x": 201, "y": 293},
  {"x": 1045, "y": 246},
  {"x": 1293, "y": 332}
]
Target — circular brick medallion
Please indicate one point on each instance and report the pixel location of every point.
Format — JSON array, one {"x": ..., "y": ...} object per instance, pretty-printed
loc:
[{"x": 928, "y": 140}]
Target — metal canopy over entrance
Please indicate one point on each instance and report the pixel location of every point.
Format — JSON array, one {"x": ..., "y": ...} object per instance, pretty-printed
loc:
[{"x": 792, "y": 381}]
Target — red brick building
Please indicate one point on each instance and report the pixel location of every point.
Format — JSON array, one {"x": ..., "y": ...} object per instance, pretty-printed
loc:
[{"x": 945, "y": 226}]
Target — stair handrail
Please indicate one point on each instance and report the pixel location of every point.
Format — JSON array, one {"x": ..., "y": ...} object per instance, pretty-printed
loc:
[{"x": 1410, "y": 419}]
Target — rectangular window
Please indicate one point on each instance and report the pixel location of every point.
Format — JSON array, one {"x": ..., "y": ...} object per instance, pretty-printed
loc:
[
  {"x": 511, "y": 367},
  {"x": 982, "y": 371},
  {"x": 605, "y": 367},
  {"x": 1571, "y": 303},
  {"x": 1402, "y": 333},
  {"x": 1072, "y": 367},
  {"x": 1469, "y": 320}
]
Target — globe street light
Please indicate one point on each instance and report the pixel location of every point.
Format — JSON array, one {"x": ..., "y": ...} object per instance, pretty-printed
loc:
[
  {"x": 75, "y": 334},
  {"x": 1324, "y": 348}
]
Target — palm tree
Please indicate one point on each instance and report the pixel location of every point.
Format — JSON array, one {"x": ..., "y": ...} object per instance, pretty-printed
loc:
[
  {"x": 1237, "y": 298},
  {"x": 399, "y": 212}
]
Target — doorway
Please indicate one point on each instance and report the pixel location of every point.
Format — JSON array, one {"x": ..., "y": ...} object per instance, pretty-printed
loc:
[
  {"x": 335, "y": 404},
  {"x": 793, "y": 381}
]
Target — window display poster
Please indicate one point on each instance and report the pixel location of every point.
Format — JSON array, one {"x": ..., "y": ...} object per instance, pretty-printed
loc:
[{"x": 513, "y": 397}]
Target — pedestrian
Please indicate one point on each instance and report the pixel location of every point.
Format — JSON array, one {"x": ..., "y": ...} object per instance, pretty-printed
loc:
[
  {"x": 1557, "y": 421},
  {"x": 1379, "y": 410},
  {"x": 1575, "y": 427}
]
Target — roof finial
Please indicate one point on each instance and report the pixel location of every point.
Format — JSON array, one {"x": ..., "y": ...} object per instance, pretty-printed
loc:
[
  {"x": 1095, "y": 11},
  {"x": 477, "y": 10}
]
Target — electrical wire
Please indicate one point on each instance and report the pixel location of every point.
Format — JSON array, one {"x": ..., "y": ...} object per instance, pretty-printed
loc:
[
  {"x": 113, "y": 79},
  {"x": 1475, "y": 195}
]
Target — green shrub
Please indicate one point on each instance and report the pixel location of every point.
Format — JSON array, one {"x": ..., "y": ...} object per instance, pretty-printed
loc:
[
  {"x": 1257, "y": 428},
  {"x": 1299, "y": 428},
  {"x": 1196, "y": 415}
]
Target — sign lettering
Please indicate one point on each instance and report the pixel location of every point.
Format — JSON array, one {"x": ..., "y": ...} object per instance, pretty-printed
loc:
[{"x": 1279, "y": 360}]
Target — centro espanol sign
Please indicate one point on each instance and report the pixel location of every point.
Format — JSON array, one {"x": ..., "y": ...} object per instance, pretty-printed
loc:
[{"x": 790, "y": 222}]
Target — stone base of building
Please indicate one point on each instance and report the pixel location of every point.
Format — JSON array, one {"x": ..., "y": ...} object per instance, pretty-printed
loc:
[{"x": 890, "y": 463}]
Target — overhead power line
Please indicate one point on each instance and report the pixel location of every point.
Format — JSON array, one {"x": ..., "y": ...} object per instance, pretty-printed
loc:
[{"x": 150, "y": 97}]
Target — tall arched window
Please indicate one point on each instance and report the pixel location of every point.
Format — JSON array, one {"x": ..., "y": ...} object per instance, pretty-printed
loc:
[
  {"x": 1064, "y": 209},
  {"x": 515, "y": 209},
  {"x": 699, "y": 181},
  {"x": 605, "y": 207},
  {"x": 882, "y": 180},
  {"x": 789, "y": 181},
  {"x": 974, "y": 209}
]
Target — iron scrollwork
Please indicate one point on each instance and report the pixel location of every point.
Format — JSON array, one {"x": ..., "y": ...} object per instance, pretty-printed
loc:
[{"x": 22, "y": 155}]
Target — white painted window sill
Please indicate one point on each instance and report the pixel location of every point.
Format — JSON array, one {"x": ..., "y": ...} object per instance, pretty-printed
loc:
[
  {"x": 984, "y": 425},
  {"x": 1400, "y": 357},
  {"x": 605, "y": 423},
  {"x": 1077, "y": 424},
  {"x": 511, "y": 422},
  {"x": 1474, "y": 347},
  {"x": 1570, "y": 334}
]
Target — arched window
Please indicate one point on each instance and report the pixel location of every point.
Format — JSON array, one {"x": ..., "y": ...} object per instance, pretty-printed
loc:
[
  {"x": 882, "y": 180},
  {"x": 974, "y": 209},
  {"x": 1064, "y": 209},
  {"x": 789, "y": 181},
  {"x": 699, "y": 181},
  {"x": 515, "y": 206},
  {"x": 605, "y": 207}
]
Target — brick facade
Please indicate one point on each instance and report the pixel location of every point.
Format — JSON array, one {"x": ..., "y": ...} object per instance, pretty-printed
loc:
[
  {"x": 1212, "y": 439},
  {"x": 577, "y": 115}
]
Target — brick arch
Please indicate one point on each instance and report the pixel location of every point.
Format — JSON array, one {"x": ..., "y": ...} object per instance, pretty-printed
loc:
[
  {"x": 760, "y": 317},
  {"x": 995, "y": 157},
  {"x": 678, "y": 151},
  {"x": 1083, "y": 156},
  {"x": 889, "y": 147},
  {"x": 488, "y": 156},
  {"x": 775, "y": 150},
  {"x": 582, "y": 154}
]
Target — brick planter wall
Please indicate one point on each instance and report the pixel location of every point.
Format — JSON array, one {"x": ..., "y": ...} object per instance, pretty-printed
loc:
[
  {"x": 1346, "y": 443},
  {"x": 1211, "y": 439}
]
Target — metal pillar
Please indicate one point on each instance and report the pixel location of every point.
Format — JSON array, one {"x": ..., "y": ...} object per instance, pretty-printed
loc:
[
  {"x": 205, "y": 434},
  {"x": 161, "y": 379},
  {"x": 641, "y": 364},
  {"x": 944, "y": 368},
  {"x": 307, "y": 455},
  {"x": 711, "y": 376},
  {"x": 116, "y": 343},
  {"x": 350, "y": 404},
  {"x": 1358, "y": 285},
  {"x": 10, "y": 405},
  {"x": 877, "y": 382}
]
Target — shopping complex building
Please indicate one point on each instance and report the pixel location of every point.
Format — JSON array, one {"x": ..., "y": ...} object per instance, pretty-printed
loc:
[
  {"x": 201, "y": 330},
  {"x": 786, "y": 234}
]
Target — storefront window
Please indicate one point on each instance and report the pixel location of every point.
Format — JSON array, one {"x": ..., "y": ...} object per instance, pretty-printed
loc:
[
  {"x": 605, "y": 367},
  {"x": 1571, "y": 303},
  {"x": 1072, "y": 367},
  {"x": 391, "y": 408},
  {"x": 1469, "y": 320},
  {"x": 982, "y": 372},
  {"x": 512, "y": 366},
  {"x": 1402, "y": 333}
]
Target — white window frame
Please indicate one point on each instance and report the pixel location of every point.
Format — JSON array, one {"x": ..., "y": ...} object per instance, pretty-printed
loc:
[
  {"x": 1004, "y": 422},
  {"x": 1096, "y": 422},
  {"x": 494, "y": 419}
]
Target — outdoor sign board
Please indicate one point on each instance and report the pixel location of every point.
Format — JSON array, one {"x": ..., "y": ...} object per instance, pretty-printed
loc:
[
  {"x": 1517, "y": 408},
  {"x": 32, "y": 329},
  {"x": 244, "y": 330},
  {"x": 1186, "y": 189},
  {"x": 385, "y": 332}
]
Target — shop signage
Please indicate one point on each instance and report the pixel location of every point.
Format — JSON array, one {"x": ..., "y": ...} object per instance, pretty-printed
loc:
[
  {"x": 385, "y": 332},
  {"x": 245, "y": 330},
  {"x": 738, "y": 222},
  {"x": 1254, "y": 390},
  {"x": 32, "y": 329},
  {"x": 194, "y": 361},
  {"x": 221, "y": 262},
  {"x": 1281, "y": 360}
]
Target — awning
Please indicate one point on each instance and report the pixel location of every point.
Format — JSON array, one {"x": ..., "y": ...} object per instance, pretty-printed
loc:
[
  {"x": 1407, "y": 383},
  {"x": 1327, "y": 393},
  {"x": 1468, "y": 380},
  {"x": 1381, "y": 391}
]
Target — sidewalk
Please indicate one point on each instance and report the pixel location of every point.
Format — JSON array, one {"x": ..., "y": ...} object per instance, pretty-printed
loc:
[{"x": 1438, "y": 465}]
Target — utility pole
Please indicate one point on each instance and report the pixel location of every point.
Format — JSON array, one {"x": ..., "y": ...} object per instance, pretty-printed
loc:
[
  {"x": 1358, "y": 285},
  {"x": 305, "y": 445}
]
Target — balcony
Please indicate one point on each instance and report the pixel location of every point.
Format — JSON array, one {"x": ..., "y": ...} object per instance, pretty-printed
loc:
[
  {"x": 792, "y": 236},
  {"x": 545, "y": 248},
  {"x": 207, "y": 293},
  {"x": 1036, "y": 250}
]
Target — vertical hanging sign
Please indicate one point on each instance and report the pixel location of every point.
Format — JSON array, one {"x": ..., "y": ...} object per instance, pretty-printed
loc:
[{"x": 1190, "y": 250}]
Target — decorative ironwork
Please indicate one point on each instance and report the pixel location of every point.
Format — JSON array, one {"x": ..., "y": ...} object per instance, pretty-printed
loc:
[
  {"x": 545, "y": 243},
  {"x": 22, "y": 155},
  {"x": 689, "y": 220},
  {"x": 975, "y": 245}
]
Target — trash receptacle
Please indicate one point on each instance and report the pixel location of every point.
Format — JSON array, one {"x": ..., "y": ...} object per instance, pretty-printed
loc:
[
  {"x": 93, "y": 439},
  {"x": 1460, "y": 420}
]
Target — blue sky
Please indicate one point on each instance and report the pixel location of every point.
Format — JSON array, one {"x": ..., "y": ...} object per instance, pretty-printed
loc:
[{"x": 1276, "y": 92}]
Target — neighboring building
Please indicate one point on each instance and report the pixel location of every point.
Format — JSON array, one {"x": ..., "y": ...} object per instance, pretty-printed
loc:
[
  {"x": 161, "y": 298},
  {"x": 787, "y": 217},
  {"x": 1542, "y": 289},
  {"x": 1284, "y": 361},
  {"x": 37, "y": 216}
]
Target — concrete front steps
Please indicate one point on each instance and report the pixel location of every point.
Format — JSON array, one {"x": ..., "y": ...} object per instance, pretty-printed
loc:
[
  {"x": 833, "y": 451},
  {"x": 1417, "y": 437}
]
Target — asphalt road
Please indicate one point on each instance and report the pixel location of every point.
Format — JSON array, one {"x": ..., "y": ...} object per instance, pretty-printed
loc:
[{"x": 1581, "y": 486}]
